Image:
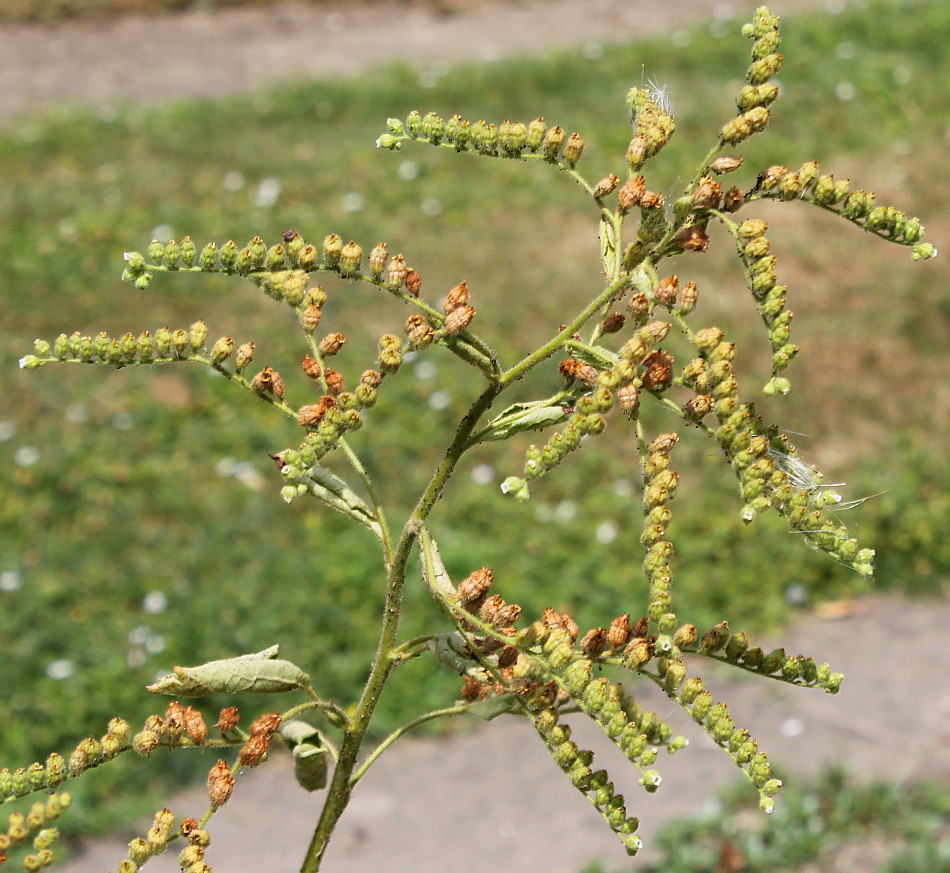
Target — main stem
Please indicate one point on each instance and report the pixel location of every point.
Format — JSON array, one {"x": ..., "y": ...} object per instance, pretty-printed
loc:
[{"x": 338, "y": 794}]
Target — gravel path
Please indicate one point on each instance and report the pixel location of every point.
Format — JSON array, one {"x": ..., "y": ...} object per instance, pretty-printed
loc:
[
  {"x": 429, "y": 801},
  {"x": 199, "y": 54}
]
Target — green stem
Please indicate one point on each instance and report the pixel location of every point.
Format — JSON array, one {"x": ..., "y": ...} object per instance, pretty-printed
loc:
[
  {"x": 338, "y": 794},
  {"x": 396, "y": 734}
]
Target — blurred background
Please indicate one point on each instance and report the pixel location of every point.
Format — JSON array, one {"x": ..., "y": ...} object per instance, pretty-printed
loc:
[{"x": 140, "y": 520}]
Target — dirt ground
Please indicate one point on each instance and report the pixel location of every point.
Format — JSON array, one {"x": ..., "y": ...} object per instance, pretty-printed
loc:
[{"x": 488, "y": 799}]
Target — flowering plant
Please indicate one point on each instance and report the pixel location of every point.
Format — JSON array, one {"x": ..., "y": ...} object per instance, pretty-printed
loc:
[{"x": 620, "y": 350}]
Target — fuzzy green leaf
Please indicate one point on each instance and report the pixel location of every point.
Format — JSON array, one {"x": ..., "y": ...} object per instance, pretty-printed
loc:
[{"x": 260, "y": 673}]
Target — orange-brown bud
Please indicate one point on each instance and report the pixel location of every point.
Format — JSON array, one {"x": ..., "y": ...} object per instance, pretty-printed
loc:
[
  {"x": 659, "y": 372},
  {"x": 698, "y": 407},
  {"x": 187, "y": 825},
  {"x": 253, "y": 751},
  {"x": 265, "y": 725},
  {"x": 707, "y": 195},
  {"x": 619, "y": 631},
  {"x": 331, "y": 344},
  {"x": 507, "y": 657},
  {"x": 373, "y": 378},
  {"x": 311, "y": 366},
  {"x": 268, "y": 381},
  {"x": 594, "y": 642},
  {"x": 725, "y": 164},
  {"x": 220, "y": 784},
  {"x": 691, "y": 239},
  {"x": 650, "y": 200},
  {"x": 472, "y": 689},
  {"x": 560, "y": 621},
  {"x": 613, "y": 322},
  {"x": 458, "y": 319},
  {"x": 334, "y": 380},
  {"x": 732, "y": 200},
  {"x": 227, "y": 719},
  {"x": 396, "y": 272},
  {"x": 413, "y": 282},
  {"x": 630, "y": 193},
  {"x": 472, "y": 590},
  {"x": 194, "y": 724},
  {"x": 665, "y": 293},
  {"x": 419, "y": 331},
  {"x": 605, "y": 186},
  {"x": 577, "y": 371},
  {"x": 309, "y": 416},
  {"x": 457, "y": 297},
  {"x": 639, "y": 307},
  {"x": 688, "y": 297},
  {"x": 310, "y": 318}
]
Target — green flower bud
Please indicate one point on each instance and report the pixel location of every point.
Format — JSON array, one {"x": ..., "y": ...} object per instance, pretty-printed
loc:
[
  {"x": 414, "y": 123},
  {"x": 197, "y": 336},
  {"x": 188, "y": 251},
  {"x": 433, "y": 128},
  {"x": 172, "y": 254},
  {"x": 534, "y": 135},
  {"x": 156, "y": 252},
  {"x": 229, "y": 256},
  {"x": 578, "y": 675},
  {"x": 332, "y": 249},
  {"x": 350, "y": 257},
  {"x": 685, "y": 636},
  {"x": 565, "y": 755},
  {"x": 773, "y": 661},
  {"x": 139, "y": 851},
  {"x": 552, "y": 142},
  {"x": 573, "y": 149},
  {"x": 651, "y": 781},
  {"x": 208, "y": 259}
]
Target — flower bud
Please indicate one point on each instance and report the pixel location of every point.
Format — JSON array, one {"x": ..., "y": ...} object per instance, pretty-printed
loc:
[
  {"x": 534, "y": 134},
  {"x": 458, "y": 319},
  {"x": 552, "y": 142},
  {"x": 707, "y": 195},
  {"x": 351, "y": 256},
  {"x": 197, "y": 336},
  {"x": 220, "y": 784},
  {"x": 268, "y": 381},
  {"x": 605, "y": 186},
  {"x": 715, "y": 638},
  {"x": 222, "y": 349}
]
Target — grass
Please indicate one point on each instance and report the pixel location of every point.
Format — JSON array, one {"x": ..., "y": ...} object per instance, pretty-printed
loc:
[
  {"x": 832, "y": 824},
  {"x": 140, "y": 524}
]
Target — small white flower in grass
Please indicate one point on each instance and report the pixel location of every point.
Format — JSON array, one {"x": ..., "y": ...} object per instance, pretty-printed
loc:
[
  {"x": 136, "y": 658},
  {"x": 155, "y": 602},
  {"x": 139, "y": 634},
  {"x": 163, "y": 232},
  {"x": 7, "y": 430},
  {"x": 268, "y": 191},
  {"x": 233, "y": 181},
  {"x": 845, "y": 91},
  {"x": 431, "y": 206},
  {"x": 60, "y": 669},
  {"x": 26, "y": 456},
  {"x": 606, "y": 532},
  {"x": 439, "y": 400},
  {"x": 10, "y": 580},
  {"x": 482, "y": 474},
  {"x": 155, "y": 644},
  {"x": 408, "y": 170},
  {"x": 353, "y": 202}
]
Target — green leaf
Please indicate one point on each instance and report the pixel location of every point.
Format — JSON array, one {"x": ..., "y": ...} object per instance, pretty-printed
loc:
[
  {"x": 452, "y": 650},
  {"x": 521, "y": 417},
  {"x": 336, "y": 494},
  {"x": 492, "y": 707},
  {"x": 260, "y": 673}
]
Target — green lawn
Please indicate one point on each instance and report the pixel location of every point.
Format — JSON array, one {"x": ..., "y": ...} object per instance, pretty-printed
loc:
[{"x": 140, "y": 521}]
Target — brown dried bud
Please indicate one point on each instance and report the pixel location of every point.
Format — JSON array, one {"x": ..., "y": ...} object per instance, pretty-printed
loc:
[
  {"x": 594, "y": 642},
  {"x": 377, "y": 259},
  {"x": 665, "y": 293},
  {"x": 311, "y": 366},
  {"x": 458, "y": 319},
  {"x": 688, "y": 297},
  {"x": 639, "y": 307},
  {"x": 613, "y": 322},
  {"x": 707, "y": 195},
  {"x": 457, "y": 297},
  {"x": 560, "y": 621},
  {"x": 637, "y": 653},
  {"x": 691, "y": 239},
  {"x": 373, "y": 378},
  {"x": 310, "y": 318},
  {"x": 619, "y": 631},
  {"x": 496, "y": 612},
  {"x": 413, "y": 282},
  {"x": 629, "y": 194},
  {"x": 187, "y": 825},
  {"x": 472, "y": 689},
  {"x": 253, "y": 751},
  {"x": 605, "y": 186},
  {"x": 331, "y": 344},
  {"x": 396, "y": 272},
  {"x": 650, "y": 200},
  {"x": 227, "y": 719},
  {"x": 265, "y": 725},
  {"x": 659, "y": 372},
  {"x": 507, "y": 657},
  {"x": 309, "y": 416},
  {"x": 573, "y": 149},
  {"x": 195, "y": 727},
  {"x": 770, "y": 177},
  {"x": 732, "y": 200},
  {"x": 472, "y": 590},
  {"x": 577, "y": 371},
  {"x": 628, "y": 399},
  {"x": 698, "y": 407},
  {"x": 268, "y": 381},
  {"x": 243, "y": 356},
  {"x": 145, "y": 742},
  {"x": 725, "y": 164},
  {"x": 334, "y": 381},
  {"x": 220, "y": 784},
  {"x": 174, "y": 725},
  {"x": 640, "y": 627}
]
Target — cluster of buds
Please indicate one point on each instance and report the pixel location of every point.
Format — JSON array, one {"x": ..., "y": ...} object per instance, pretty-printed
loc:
[
  {"x": 794, "y": 669},
  {"x": 180, "y": 726},
  {"x": 754, "y": 99},
  {"x": 754, "y": 249},
  {"x": 191, "y": 858},
  {"x": 21, "y": 826},
  {"x": 595, "y": 784},
  {"x": 510, "y": 139},
  {"x": 659, "y": 488},
  {"x": 159, "y": 835},
  {"x": 259, "y": 736},
  {"x": 121, "y": 351},
  {"x": 653, "y": 126},
  {"x": 742, "y": 748},
  {"x": 458, "y": 313}
]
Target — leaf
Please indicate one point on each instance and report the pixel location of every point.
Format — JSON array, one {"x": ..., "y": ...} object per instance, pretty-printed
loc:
[
  {"x": 260, "y": 673},
  {"x": 434, "y": 573},
  {"x": 451, "y": 650},
  {"x": 492, "y": 707},
  {"x": 311, "y": 766},
  {"x": 521, "y": 417},
  {"x": 335, "y": 493}
]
